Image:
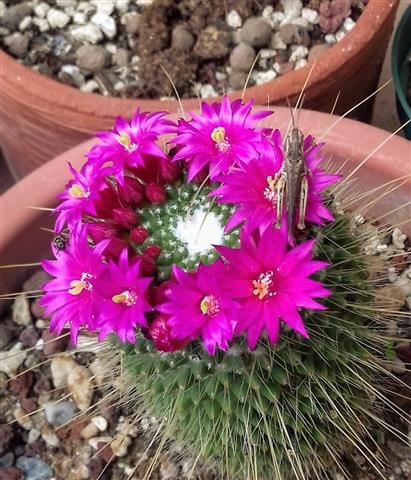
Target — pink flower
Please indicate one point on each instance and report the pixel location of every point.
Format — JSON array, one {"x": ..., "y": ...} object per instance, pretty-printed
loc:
[
  {"x": 222, "y": 136},
  {"x": 198, "y": 306},
  {"x": 71, "y": 298},
  {"x": 271, "y": 283},
  {"x": 81, "y": 194},
  {"x": 124, "y": 291},
  {"x": 251, "y": 187},
  {"x": 129, "y": 142}
]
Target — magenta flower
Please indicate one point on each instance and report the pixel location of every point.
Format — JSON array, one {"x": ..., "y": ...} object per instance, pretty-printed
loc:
[
  {"x": 81, "y": 194},
  {"x": 198, "y": 306},
  {"x": 252, "y": 188},
  {"x": 222, "y": 136},
  {"x": 124, "y": 291},
  {"x": 70, "y": 298},
  {"x": 129, "y": 142},
  {"x": 271, "y": 283}
]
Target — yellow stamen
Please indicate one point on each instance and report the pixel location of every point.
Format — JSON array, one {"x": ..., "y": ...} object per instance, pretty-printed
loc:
[
  {"x": 77, "y": 191},
  {"x": 271, "y": 182},
  {"x": 260, "y": 289},
  {"x": 120, "y": 298},
  {"x": 218, "y": 135},
  {"x": 124, "y": 140},
  {"x": 77, "y": 286},
  {"x": 204, "y": 305}
]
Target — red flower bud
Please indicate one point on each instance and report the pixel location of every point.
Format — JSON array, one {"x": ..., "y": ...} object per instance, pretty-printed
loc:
[
  {"x": 160, "y": 293},
  {"x": 138, "y": 235},
  {"x": 155, "y": 193},
  {"x": 132, "y": 192},
  {"x": 114, "y": 248},
  {"x": 152, "y": 251},
  {"x": 125, "y": 217},
  {"x": 99, "y": 231},
  {"x": 160, "y": 332},
  {"x": 148, "y": 266},
  {"x": 170, "y": 171}
]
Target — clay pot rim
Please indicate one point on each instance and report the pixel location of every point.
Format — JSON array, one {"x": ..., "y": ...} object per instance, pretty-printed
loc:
[{"x": 41, "y": 88}]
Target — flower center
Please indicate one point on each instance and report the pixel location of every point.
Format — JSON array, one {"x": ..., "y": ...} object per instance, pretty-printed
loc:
[
  {"x": 218, "y": 136},
  {"x": 125, "y": 141},
  {"x": 209, "y": 305},
  {"x": 270, "y": 192},
  {"x": 77, "y": 286},
  {"x": 77, "y": 191},
  {"x": 128, "y": 298},
  {"x": 263, "y": 285}
]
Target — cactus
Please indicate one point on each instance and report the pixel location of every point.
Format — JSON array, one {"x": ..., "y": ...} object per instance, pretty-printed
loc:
[{"x": 276, "y": 412}]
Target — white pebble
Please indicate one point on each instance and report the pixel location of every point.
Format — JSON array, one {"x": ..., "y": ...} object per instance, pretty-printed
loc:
[
  {"x": 33, "y": 436},
  {"x": 268, "y": 11},
  {"x": 277, "y": 19},
  {"x": 88, "y": 33},
  {"x": 118, "y": 86},
  {"x": 340, "y": 35},
  {"x": 381, "y": 248},
  {"x": 10, "y": 360},
  {"x": 220, "y": 76},
  {"x": 122, "y": 5},
  {"x": 398, "y": 239},
  {"x": 263, "y": 77},
  {"x": 42, "y": 24},
  {"x": 39, "y": 345},
  {"x": 277, "y": 43},
  {"x": 3, "y": 8},
  {"x": 310, "y": 15},
  {"x": 300, "y": 63},
  {"x": 105, "y": 23},
  {"x": 66, "y": 3},
  {"x": 86, "y": 8},
  {"x": 93, "y": 442},
  {"x": 80, "y": 18},
  {"x": 359, "y": 219},
  {"x": 107, "y": 6},
  {"x": 292, "y": 9},
  {"x": 41, "y": 10},
  {"x": 111, "y": 48},
  {"x": 25, "y": 23},
  {"x": 207, "y": 90},
  {"x": 298, "y": 53},
  {"x": 301, "y": 22},
  {"x": 233, "y": 19},
  {"x": 100, "y": 422},
  {"x": 57, "y": 18},
  {"x": 348, "y": 24},
  {"x": 392, "y": 274},
  {"x": 330, "y": 38},
  {"x": 267, "y": 53}
]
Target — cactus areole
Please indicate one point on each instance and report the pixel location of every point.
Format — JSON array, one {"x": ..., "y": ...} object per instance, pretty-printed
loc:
[{"x": 251, "y": 344}]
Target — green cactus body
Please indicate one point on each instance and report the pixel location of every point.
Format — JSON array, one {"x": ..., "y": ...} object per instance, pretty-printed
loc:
[{"x": 281, "y": 411}]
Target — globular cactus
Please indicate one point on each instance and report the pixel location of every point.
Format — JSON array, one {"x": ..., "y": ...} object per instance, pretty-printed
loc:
[{"x": 253, "y": 342}]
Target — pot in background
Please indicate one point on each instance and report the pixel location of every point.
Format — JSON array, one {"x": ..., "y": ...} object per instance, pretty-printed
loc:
[{"x": 42, "y": 118}]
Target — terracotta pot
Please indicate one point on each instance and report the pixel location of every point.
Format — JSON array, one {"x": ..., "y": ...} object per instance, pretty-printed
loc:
[
  {"x": 42, "y": 118},
  {"x": 23, "y": 241}
]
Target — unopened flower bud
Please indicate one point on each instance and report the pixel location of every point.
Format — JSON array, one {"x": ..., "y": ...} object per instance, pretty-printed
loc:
[
  {"x": 152, "y": 251},
  {"x": 132, "y": 192},
  {"x": 138, "y": 235},
  {"x": 125, "y": 217},
  {"x": 155, "y": 193},
  {"x": 170, "y": 171},
  {"x": 148, "y": 266},
  {"x": 99, "y": 231},
  {"x": 161, "y": 334}
]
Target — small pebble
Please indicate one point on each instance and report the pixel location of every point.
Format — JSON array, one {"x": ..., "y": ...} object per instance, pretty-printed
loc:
[
  {"x": 105, "y": 23},
  {"x": 93, "y": 442},
  {"x": 88, "y": 33},
  {"x": 242, "y": 57},
  {"x": 131, "y": 22},
  {"x": 71, "y": 75},
  {"x": 21, "y": 309},
  {"x": 330, "y": 39},
  {"x": 80, "y": 18},
  {"x": 49, "y": 436},
  {"x": 25, "y": 24},
  {"x": 181, "y": 39},
  {"x": 10, "y": 360},
  {"x": 121, "y": 58},
  {"x": 92, "y": 58},
  {"x": 233, "y": 19},
  {"x": 398, "y": 239},
  {"x": 256, "y": 32},
  {"x": 57, "y": 18},
  {"x": 22, "y": 418},
  {"x": 89, "y": 431},
  {"x": 348, "y": 24},
  {"x": 310, "y": 15},
  {"x": 100, "y": 422},
  {"x": 80, "y": 386},
  {"x": 13, "y": 15},
  {"x": 60, "y": 413},
  {"x": 41, "y": 9},
  {"x": 237, "y": 80},
  {"x": 42, "y": 24},
  {"x": 168, "y": 470},
  {"x": 340, "y": 35},
  {"x": 298, "y": 53},
  {"x": 61, "y": 367},
  {"x": 34, "y": 468}
]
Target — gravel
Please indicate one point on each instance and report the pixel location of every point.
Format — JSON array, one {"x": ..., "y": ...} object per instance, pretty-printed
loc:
[{"x": 196, "y": 43}]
